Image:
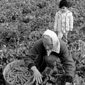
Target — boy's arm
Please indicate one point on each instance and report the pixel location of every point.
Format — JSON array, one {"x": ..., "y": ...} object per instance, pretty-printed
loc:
[
  {"x": 56, "y": 22},
  {"x": 71, "y": 21}
]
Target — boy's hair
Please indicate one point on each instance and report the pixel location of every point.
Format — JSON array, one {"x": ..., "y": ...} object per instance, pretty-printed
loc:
[{"x": 63, "y": 3}]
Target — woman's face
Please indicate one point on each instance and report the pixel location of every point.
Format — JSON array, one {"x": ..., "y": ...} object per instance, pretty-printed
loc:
[{"x": 47, "y": 43}]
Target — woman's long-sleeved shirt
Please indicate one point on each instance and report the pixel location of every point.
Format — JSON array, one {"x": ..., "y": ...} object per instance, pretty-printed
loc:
[{"x": 37, "y": 53}]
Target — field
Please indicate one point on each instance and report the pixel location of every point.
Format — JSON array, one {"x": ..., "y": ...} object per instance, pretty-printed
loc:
[{"x": 22, "y": 22}]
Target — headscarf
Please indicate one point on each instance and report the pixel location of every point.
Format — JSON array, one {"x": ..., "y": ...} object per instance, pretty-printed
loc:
[{"x": 55, "y": 40}]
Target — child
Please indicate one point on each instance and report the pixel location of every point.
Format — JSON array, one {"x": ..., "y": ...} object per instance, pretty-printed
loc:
[{"x": 63, "y": 20}]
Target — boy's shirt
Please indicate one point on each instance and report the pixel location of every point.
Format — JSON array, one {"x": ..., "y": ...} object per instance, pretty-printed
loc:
[{"x": 63, "y": 21}]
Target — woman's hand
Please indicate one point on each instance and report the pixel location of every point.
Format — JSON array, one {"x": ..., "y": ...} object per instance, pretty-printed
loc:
[{"x": 37, "y": 75}]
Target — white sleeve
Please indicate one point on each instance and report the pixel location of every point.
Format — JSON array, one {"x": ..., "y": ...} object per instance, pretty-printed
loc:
[
  {"x": 71, "y": 21},
  {"x": 56, "y": 22}
]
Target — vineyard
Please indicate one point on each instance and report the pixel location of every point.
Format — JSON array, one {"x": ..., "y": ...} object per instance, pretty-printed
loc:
[{"x": 22, "y": 22}]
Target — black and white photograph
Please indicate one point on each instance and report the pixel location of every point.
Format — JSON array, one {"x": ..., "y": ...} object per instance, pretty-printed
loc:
[{"x": 42, "y": 42}]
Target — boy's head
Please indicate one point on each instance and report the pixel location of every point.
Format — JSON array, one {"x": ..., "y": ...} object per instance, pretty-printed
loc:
[{"x": 63, "y": 3}]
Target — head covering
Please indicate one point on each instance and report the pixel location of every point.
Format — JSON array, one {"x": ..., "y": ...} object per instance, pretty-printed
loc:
[
  {"x": 63, "y": 3},
  {"x": 55, "y": 40}
]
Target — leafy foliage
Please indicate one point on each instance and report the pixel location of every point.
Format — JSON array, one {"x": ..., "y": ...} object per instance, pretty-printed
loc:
[{"x": 22, "y": 22}]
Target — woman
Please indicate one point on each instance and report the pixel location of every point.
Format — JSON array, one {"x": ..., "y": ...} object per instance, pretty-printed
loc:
[{"x": 46, "y": 50}]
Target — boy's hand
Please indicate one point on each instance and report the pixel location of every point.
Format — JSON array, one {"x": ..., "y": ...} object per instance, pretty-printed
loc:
[{"x": 67, "y": 83}]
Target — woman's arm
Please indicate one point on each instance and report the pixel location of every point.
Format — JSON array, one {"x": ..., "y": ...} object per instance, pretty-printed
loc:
[{"x": 68, "y": 63}]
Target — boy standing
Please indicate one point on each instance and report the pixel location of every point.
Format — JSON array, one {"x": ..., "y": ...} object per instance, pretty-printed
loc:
[{"x": 63, "y": 20}]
